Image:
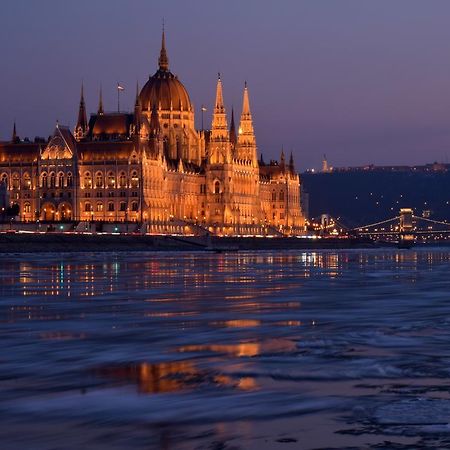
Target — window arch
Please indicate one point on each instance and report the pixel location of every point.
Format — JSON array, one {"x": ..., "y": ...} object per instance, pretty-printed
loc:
[
  {"x": 26, "y": 208},
  {"x": 61, "y": 179},
  {"x": 217, "y": 187},
  {"x": 134, "y": 179},
  {"x": 111, "y": 180},
  {"x": 281, "y": 196},
  {"x": 123, "y": 206},
  {"x": 87, "y": 180},
  {"x": 99, "y": 180},
  {"x": 69, "y": 179},
  {"x": 110, "y": 206},
  {"x": 44, "y": 180},
  {"x": 274, "y": 196},
  {"x": 134, "y": 206},
  {"x": 88, "y": 207},
  {"x": 52, "y": 180},
  {"x": 26, "y": 181},
  {"x": 122, "y": 180},
  {"x": 99, "y": 207},
  {"x": 15, "y": 181}
]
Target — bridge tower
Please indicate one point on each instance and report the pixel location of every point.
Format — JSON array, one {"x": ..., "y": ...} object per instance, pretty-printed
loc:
[{"x": 406, "y": 235}]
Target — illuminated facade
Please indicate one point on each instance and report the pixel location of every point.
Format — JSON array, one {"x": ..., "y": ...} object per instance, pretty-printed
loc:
[{"x": 153, "y": 168}]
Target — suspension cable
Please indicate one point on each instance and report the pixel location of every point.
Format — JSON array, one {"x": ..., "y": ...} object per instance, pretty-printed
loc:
[{"x": 377, "y": 223}]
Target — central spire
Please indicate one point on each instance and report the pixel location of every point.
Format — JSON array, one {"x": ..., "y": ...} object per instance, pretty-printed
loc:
[{"x": 163, "y": 60}]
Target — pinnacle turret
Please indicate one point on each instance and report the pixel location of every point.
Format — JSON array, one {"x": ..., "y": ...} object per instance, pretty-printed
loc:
[
  {"x": 163, "y": 60},
  {"x": 100, "y": 102},
  {"x": 246, "y": 137},
  {"x": 233, "y": 137},
  {"x": 291, "y": 163},
  {"x": 82, "y": 123},
  {"x": 15, "y": 137},
  {"x": 219, "y": 127}
]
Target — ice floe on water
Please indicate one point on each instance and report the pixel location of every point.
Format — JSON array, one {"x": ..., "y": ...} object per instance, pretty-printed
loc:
[{"x": 356, "y": 342}]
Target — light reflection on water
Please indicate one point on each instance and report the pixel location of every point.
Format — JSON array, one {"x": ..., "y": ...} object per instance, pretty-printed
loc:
[{"x": 195, "y": 341}]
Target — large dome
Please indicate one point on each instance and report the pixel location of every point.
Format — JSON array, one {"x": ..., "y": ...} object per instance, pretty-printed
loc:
[{"x": 163, "y": 89}]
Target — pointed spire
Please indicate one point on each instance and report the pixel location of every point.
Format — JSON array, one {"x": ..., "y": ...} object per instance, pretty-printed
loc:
[
  {"x": 219, "y": 126},
  {"x": 291, "y": 163},
  {"x": 219, "y": 105},
  {"x": 282, "y": 159},
  {"x": 246, "y": 136},
  {"x": 233, "y": 137},
  {"x": 163, "y": 60},
  {"x": 138, "y": 100},
  {"x": 154, "y": 122},
  {"x": 82, "y": 124},
  {"x": 100, "y": 102},
  {"x": 246, "y": 102},
  {"x": 14, "y": 134},
  {"x": 220, "y": 148},
  {"x": 261, "y": 160}
]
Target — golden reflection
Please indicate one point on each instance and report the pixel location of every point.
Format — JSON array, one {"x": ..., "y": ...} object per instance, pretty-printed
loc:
[
  {"x": 171, "y": 377},
  {"x": 242, "y": 349},
  {"x": 288, "y": 323},
  {"x": 238, "y": 323}
]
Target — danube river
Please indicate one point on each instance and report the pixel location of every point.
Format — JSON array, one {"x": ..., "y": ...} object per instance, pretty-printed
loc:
[{"x": 289, "y": 349}]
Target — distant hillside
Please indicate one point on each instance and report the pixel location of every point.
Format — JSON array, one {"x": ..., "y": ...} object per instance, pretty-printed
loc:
[{"x": 361, "y": 197}]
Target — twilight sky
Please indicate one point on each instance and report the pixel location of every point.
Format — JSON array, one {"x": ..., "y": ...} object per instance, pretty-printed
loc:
[{"x": 362, "y": 81}]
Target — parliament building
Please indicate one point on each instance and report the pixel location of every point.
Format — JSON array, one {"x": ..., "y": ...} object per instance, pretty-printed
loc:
[{"x": 153, "y": 170}]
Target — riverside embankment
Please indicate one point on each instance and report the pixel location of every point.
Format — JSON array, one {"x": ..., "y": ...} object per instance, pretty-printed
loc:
[{"x": 74, "y": 242}]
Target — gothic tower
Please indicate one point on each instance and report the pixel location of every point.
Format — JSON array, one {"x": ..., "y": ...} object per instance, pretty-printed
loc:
[
  {"x": 219, "y": 170},
  {"x": 246, "y": 136},
  {"x": 82, "y": 124}
]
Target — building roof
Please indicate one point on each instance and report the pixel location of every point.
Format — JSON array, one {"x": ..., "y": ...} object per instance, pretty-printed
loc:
[
  {"x": 109, "y": 125},
  {"x": 20, "y": 152}
]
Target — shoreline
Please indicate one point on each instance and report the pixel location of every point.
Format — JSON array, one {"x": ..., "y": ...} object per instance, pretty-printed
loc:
[{"x": 64, "y": 242}]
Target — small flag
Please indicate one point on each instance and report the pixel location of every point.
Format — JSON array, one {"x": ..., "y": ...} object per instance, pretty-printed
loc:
[
  {"x": 120, "y": 87},
  {"x": 203, "y": 108}
]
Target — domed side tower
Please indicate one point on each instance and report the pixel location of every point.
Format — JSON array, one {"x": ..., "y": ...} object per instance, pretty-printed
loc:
[{"x": 167, "y": 94}]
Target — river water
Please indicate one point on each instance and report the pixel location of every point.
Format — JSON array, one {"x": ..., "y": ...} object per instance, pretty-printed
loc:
[{"x": 289, "y": 349}]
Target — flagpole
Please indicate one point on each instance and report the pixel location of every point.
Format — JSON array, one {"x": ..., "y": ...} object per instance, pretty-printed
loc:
[{"x": 118, "y": 98}]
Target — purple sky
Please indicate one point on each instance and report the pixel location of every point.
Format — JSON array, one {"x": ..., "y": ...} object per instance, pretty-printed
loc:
[{"x": 362, "y": 81}]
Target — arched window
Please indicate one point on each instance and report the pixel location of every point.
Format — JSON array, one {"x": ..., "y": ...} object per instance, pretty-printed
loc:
[
  {"x": 217, "y": 187},
  {"x": 123, "y": 206},
  {"x": 110, "y": 206},
  {"x": 134, "y": 206},
  {"x": 26, "y": 208},
  {"x": 87, "y": 207},
  {"x": 87, "y": 180},
  {"x": 15, "y": 181},
  {"x": 134, "y": 179},
  {"x": 44, "y": 180},
  {"x": 99, "y": 207},
  {"x": 281, "y": 196},
  {"x": 52, "y": 180},
  {"x": 4, "y": 179},
  {"x": 26, "y": 181},
  {"x": 69, "y": 179},
  {"x": 274, "y": 196},
  {"x": 99, "y": 180},
  {"x": 122, "y": 180},
  {"x": 111, "y": 180},
  {"x": 60, "y": 179}
]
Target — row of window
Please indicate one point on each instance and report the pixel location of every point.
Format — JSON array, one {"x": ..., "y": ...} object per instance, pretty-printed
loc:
[
  {"x": 52, "y": 181},
  {"x": 88, "y": 207},
  {"x": 280, "y": 197},
  {"x": 122, "y": 180}
]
